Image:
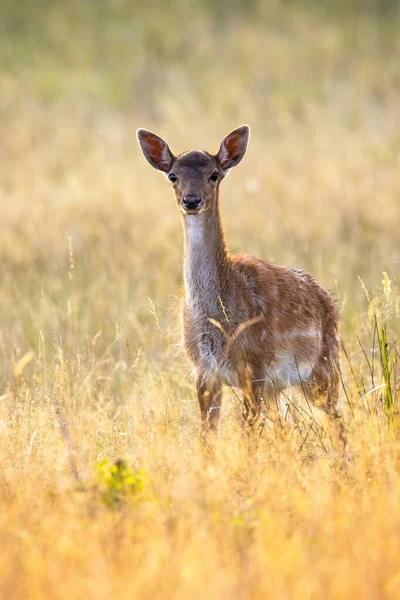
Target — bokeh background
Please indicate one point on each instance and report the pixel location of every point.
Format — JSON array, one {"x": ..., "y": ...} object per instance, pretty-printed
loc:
[{"x": 91, "y": 269}]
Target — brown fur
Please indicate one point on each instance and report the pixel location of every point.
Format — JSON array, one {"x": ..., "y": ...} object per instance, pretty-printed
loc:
[{"x": 246, "y": 322}]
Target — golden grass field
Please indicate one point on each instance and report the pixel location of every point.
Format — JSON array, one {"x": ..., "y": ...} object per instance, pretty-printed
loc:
[{"x": 92, "y": 371}]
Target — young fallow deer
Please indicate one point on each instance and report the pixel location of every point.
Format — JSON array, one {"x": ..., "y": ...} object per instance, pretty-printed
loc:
[{"x": 247, "y": 323}]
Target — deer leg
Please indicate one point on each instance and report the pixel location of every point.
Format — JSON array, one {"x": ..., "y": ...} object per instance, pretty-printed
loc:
[
  {"x": 260, "y": 404},
  {"x": 260, "y": 401},
  {"x": 324, "y": 390},
  {"x": 252, "y": 385},
  {"x": 252, "y": 401},
  {"x": 209, "y": 394}
]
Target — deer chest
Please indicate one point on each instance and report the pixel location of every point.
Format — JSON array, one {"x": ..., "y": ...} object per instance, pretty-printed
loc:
[{"x": 205, "y": 344}]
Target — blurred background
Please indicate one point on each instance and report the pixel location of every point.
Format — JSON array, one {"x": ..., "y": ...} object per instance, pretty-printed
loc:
[{"x": 86, "y": 223}]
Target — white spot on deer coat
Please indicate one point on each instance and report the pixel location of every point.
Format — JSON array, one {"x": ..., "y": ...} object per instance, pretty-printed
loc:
[
  {"x": 285, "y": 371},
  {"x": 312, "y": 332}
]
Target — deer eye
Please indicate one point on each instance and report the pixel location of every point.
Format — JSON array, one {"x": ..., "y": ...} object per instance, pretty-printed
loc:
[
  {"x": 214, "y": 177},
  {"x": 172, "y": 177}
]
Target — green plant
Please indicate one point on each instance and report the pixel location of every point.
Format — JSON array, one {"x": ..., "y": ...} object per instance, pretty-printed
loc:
[
  {"x": 386, "y": 353},
  {"x": 117, "y": 482}
]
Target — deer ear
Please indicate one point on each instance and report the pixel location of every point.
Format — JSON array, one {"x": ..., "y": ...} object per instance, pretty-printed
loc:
[
  {"x": 233, "y": 147},
  {"x": 155, "y": 150}
]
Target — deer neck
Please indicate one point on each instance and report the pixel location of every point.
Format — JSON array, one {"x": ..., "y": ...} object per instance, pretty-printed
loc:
[{"x": 206, "y": 263}]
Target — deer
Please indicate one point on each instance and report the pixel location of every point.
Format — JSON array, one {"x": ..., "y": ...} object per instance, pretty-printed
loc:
[{"x": 247, "y": 323}]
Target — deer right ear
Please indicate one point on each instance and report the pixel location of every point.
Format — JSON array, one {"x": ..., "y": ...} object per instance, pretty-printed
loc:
[
  {"x": 233, "y": 147},
  {"x": 155, "y": 150}
]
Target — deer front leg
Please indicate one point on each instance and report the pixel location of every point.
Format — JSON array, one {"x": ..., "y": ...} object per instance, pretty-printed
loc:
[
  {"x": 252, "y": 401},
  {"x": 209, "y": 393},
  {"x": 252, "y": 386}
]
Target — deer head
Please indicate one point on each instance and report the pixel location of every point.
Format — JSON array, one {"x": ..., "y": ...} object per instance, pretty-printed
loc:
[{"x": 195, "y": 175}]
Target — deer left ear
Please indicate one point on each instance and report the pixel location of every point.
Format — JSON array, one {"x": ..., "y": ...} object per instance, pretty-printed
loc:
[
  {"x": 155, "y": 150},
  {"x": 233, "y": 147}
]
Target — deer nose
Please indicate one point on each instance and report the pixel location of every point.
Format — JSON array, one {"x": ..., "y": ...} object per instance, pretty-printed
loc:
[{"x": 191, "y": 201}]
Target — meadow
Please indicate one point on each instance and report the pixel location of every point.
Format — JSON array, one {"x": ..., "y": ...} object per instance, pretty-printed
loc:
[{"x": 105, "y": 491}]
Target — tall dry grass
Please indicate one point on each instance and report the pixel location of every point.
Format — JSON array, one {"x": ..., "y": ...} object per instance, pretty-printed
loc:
[{"x": 90, "y": 251}]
